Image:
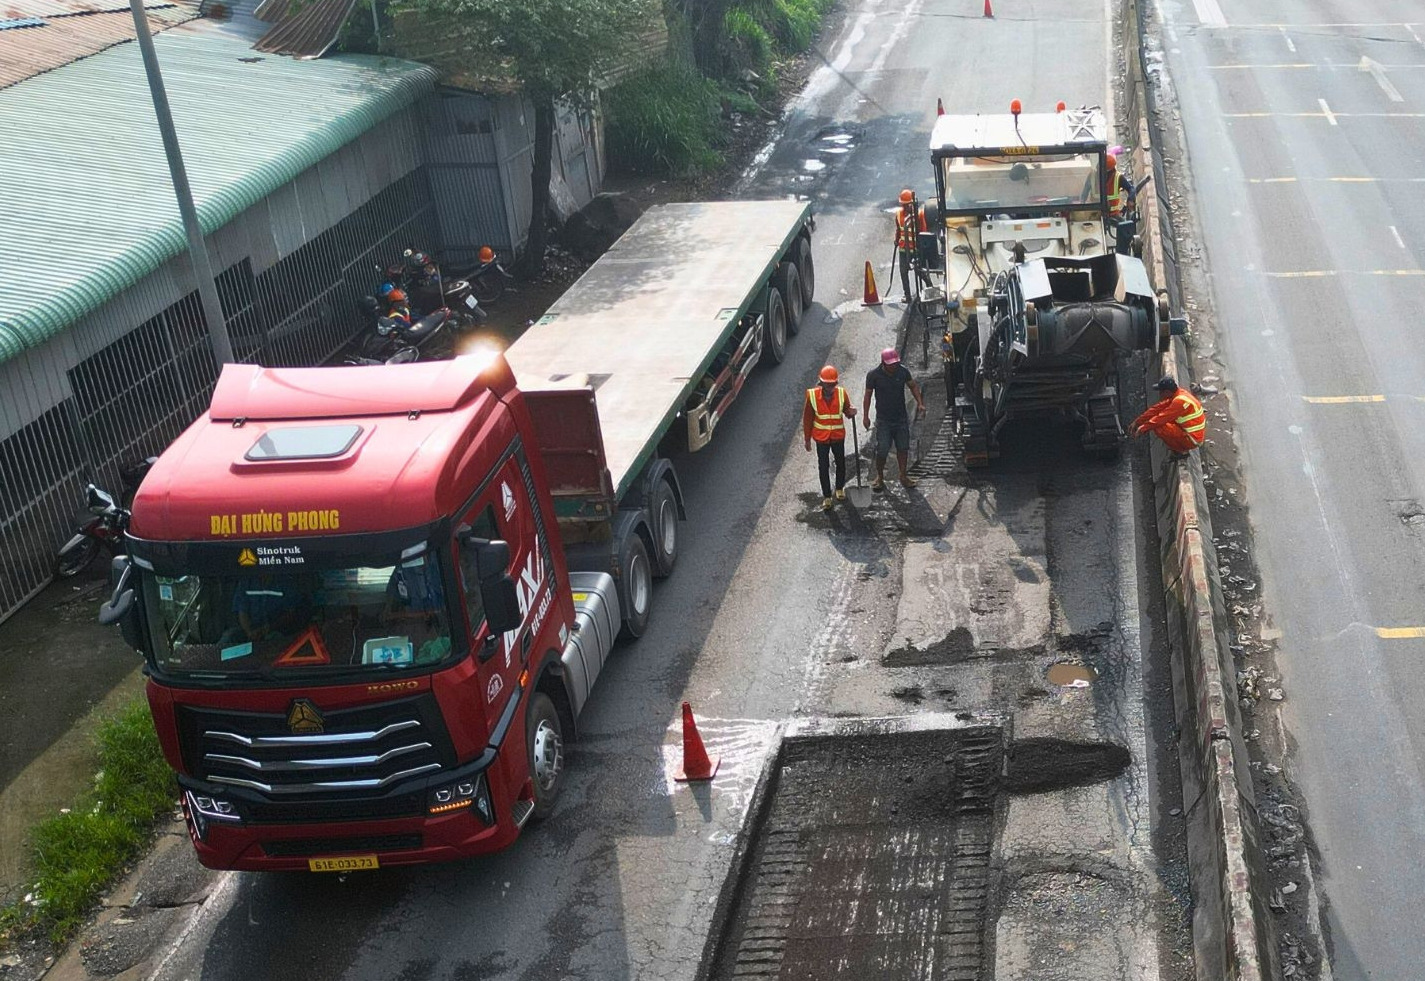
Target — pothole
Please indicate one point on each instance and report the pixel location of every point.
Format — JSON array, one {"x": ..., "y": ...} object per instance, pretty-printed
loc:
[{"x": 1068, "y": 675}]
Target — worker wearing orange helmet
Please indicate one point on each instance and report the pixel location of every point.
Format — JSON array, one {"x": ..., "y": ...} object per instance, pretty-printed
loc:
[
  {"x": 1177, "y": 418},
  {"x": 1117, "y": 190},
  {"x": 910, "y": 221},
  {"x": 824, "y": 415}
]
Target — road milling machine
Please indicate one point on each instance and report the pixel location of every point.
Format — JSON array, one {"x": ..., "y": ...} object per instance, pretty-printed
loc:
[{"x": 1044, "y": 291}]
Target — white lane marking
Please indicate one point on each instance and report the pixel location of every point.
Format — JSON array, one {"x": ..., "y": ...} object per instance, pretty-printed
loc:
[
  {"x": 1209, "y": 13},
  {"x": 219, "y": 900},
  {"x": 1398, "y": 240},
  {"x": 1327, "y": 110},
  {"x": 1414, "y": 35},
  {"x": 1377, "y": 71},
  {"x": 1290, "y": 44}
]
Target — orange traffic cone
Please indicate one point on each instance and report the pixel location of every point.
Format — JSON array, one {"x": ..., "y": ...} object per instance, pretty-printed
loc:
[
  {"x": 696, "y": 765},
  {"x": 869, "y": 297},
  {"x": 989, "y": 11},
  {"x": 939, "y": 107}
]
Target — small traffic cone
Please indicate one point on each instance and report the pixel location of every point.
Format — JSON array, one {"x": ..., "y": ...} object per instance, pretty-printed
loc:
[
  {"x": 989, "y": 11},
  {"x": 696, "y": 765},
  {"x": 939, "y": 107},
  {"x": 869, "y": 297}
]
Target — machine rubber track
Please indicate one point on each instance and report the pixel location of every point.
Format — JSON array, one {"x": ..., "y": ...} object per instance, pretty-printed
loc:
[{"x": 1103, "y": 433}]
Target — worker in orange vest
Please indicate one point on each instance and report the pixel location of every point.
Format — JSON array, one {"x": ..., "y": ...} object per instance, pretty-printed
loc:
[
  {"x": 824, "y": 416},
  {"x": 1177, "y": 418},
  {"x": 910, "y": 220},
  {"x": 1117, "y": 189}
]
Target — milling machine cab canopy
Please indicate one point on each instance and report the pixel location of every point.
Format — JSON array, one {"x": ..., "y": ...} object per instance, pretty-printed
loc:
[{"x": 1020, "y": 164}]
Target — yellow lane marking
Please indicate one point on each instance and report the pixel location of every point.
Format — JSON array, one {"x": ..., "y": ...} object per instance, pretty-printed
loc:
[
  {"x": 1332, "y": 65},
  {"x": 1325, "y": 115},
  {"x": 1323, "y": 273},
  {"x": 1336, "y": 180},
  {"x": 1341, "y": 399},
  {"x": 1399, "y": 633}
]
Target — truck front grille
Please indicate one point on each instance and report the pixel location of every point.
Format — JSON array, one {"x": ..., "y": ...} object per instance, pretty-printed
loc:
[{"x": 361, "y": 752}]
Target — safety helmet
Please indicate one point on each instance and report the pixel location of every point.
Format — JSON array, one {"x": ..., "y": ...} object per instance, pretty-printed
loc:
[
  {"x": 890, "y": 356},
  {"x": 1167, "y": 384},
  {"x": 396, "y": 296},
  {"x": 419, "y": 259},
  {"x": 1112, "y": 161},
  {"x": 1117, "y": 151},
  {"x": 907, "y": 196},
  {"x": 487, "y": 254},
  {"x": 386, "y": 289},
  {"x": 830, "y": 375}
]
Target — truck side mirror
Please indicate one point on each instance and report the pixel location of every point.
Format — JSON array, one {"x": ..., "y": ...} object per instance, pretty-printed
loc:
[
  {"x": 123, "y": 606},
  {"x": 97, "y": 500},
  {"x": 491, "y": 560}
]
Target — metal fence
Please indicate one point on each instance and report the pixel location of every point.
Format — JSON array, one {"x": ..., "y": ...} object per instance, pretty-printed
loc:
[{"x": 130, "y": 398}]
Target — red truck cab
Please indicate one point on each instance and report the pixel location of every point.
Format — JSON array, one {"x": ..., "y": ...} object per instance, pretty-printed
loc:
[{"x": 352, "y": 611}]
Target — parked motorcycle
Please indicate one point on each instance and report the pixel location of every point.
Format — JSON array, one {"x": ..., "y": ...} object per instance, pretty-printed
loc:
[
  {"x": 392, "y": 340},
  {"x": 104, "y": 529},
  {"x": 489, "y": 279},
  {"x": 420, "y": 277}
]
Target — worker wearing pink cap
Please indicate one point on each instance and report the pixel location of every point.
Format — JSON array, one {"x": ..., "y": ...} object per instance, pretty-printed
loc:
[{"x": 889, "y": 383}]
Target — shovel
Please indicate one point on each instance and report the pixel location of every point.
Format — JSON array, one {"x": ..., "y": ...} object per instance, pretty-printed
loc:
[{"x": 860, "y": 495}]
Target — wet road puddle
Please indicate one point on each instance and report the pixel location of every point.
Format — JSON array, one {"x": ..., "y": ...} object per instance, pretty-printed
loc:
[{"x": 1067, "y": 675}]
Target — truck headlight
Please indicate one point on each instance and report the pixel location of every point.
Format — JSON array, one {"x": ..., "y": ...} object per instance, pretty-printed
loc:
[
  {"x": 203, "y": 809},
  {"x": 472, "y": 793}
]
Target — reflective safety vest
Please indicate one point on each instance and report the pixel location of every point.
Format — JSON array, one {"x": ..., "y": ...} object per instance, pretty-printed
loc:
[
  {"x": 828, "y": 422},
  {"x": 1117, "y": 194},
  {"x": 1193, "y": 420},
  {"x": 905, "y": 237}
]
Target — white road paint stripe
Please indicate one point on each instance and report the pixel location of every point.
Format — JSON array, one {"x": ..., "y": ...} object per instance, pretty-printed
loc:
[
  {"x": 1290, "y": 44},
  {"x": 1209, "y": 13},
  {"x": 1327, "y": 110},
  {"x": 1398, "y": 240},
  {"x": 1377, "y": 71},
  {"x": 1414, "y": 35}
]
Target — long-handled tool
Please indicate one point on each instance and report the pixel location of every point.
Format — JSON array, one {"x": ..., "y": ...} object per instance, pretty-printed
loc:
[{"x": 860, "y": 495}]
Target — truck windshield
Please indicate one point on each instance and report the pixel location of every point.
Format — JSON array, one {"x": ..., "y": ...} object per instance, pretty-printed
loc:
[
  {"x": 1008, "y": 183},
  {"x": 362, "y": 618}
]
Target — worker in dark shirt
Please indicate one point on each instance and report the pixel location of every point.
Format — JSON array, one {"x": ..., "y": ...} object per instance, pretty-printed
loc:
[{"x": 888, "y": 383}]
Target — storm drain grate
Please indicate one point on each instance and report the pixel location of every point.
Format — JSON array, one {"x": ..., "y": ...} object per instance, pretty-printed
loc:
[{"x": 870, "y": 859}]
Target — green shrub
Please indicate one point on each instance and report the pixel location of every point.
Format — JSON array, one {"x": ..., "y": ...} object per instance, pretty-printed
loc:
[
  {"x": 664, "y": 121},
  {"x": 78, "y": 854}
]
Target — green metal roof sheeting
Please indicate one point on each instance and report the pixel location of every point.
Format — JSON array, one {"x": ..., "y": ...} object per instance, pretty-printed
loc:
[{"x": 89, "y": 206}]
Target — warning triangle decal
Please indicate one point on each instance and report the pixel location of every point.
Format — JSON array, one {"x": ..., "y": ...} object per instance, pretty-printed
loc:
[{"x": 307, "y": 649}]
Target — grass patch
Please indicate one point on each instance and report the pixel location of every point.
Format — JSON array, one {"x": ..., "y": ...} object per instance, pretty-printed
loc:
[
  {"x": 664, "y": 121},
  {"x": 79, "y": 854}
]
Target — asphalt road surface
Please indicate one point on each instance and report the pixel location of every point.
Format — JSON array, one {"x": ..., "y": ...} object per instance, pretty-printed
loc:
[
  {"x": 778, "y": 611},
  {"x": 1304, "y": 124}
]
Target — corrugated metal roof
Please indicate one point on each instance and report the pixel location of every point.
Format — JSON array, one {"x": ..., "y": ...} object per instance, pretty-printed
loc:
[
  {"x": 92, "y": 183},
  {"x": 309, "y": 31},
  {"x": 62, "y": 38}
]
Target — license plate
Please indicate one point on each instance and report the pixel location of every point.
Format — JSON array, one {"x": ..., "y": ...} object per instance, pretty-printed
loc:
[
  {"x": 346, "y": 863},
  {"x": 471, "y": 302}
]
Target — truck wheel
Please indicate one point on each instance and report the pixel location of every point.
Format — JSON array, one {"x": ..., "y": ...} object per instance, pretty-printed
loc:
[
  {"x": 665, "y": 529},
  {"x": 636, "y": 573},
  {"x": 545, "y": 738},
  {"x": 802, "y": 251},
  {"x": 789, "y": 284},
  {"x": 776, "y": 346}
]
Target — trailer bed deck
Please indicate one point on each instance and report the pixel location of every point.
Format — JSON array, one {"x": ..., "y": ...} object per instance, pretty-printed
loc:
[{"x": 646, "y": 320}]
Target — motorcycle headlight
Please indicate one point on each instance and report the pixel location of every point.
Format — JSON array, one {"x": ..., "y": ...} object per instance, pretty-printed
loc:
[{"x": 473, "y": 793}]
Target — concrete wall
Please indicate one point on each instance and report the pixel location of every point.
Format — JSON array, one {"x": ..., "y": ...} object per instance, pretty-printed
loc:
[{"x": 1232, "y": 926}]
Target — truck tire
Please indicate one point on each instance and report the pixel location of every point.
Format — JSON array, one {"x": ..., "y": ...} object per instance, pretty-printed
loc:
[
  {"x": 789, "y": 284},
  {"x": 636, "y": 585},
  {"x": 544, "y": 739},
  {"x": 776, "y": 346},
  {"x": 664, "y": 511},
  {"x": 805, "y": 266}
]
